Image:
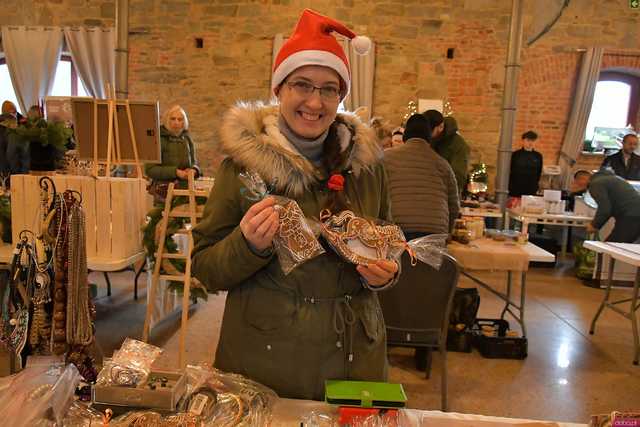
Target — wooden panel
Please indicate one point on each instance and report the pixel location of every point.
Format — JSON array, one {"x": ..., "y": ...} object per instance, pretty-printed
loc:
[
  {"x": 89, "y": 206},
  {"x": 103, "y": 217},
  {"x": 129, "y": 216},
  {"x": 145, "y": 203},
  {"x": 17, "y": 207},
  {"x": 115, "y": 210},
  {"x": 118, "y": 212},
  {"x": 32, "y": 203}
]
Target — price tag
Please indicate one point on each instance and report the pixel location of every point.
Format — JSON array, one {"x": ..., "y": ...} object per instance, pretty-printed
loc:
[{"x": 198, "y": 403}]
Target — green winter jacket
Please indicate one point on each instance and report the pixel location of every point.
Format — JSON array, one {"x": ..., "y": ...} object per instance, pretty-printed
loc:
[
  {"x": 452, "y": 146},
  {"x": 178, "y": 152},
  {"x": 319, "y": 322}
]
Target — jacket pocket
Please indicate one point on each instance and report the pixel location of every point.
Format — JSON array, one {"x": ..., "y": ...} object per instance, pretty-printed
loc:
[
  {"x": 269, "y": 310},
  {"x": 370, "y": 316}
]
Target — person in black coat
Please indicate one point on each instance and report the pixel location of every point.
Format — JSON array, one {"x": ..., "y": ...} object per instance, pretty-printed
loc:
[
  {"x": 526, "y": 167},
  {"x": 625, "y": 163}
]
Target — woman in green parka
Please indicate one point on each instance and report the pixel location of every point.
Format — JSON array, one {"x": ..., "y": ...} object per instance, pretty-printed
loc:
[
  {"x": 178, "y": 153},
  {"x": 323, "y": 320}
]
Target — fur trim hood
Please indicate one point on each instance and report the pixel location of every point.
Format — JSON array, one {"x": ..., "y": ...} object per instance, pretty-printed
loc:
[{"x": 251, "y": 137}]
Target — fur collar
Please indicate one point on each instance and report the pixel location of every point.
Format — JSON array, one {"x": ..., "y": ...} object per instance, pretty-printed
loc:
[{"x": 250, "y": 136}]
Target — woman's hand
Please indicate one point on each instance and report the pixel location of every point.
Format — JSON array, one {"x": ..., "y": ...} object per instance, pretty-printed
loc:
[
  {"x": 380, "y": 273},
  {"x": 260, "y": 223}
]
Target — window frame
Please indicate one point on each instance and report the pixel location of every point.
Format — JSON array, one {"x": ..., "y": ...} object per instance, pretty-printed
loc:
[
  {"x": 74, "y": 74},
  {"x": 634, "y": 95}
]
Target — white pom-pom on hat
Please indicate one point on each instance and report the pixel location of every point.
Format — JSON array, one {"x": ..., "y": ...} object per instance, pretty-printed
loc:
[{"x": 361, "y": 44}]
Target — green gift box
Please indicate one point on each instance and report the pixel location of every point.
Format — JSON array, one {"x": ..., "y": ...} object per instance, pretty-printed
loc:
[{"x": 364, "y": 394}]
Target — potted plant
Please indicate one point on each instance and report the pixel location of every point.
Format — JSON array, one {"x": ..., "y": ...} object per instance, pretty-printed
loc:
[{"x": 47, "y": 141}]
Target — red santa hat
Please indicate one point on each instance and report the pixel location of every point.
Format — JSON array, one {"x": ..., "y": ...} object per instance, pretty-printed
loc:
[{"x": 312, "y": 44}]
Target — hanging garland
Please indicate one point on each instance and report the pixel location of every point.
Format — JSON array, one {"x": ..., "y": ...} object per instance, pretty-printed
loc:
[{"x": 170, "y": 266}]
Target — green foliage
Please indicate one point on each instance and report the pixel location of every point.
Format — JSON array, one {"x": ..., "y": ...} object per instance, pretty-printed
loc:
[
  {"x": 46, "y": 133},
  {"x": 585, "y": 261}
]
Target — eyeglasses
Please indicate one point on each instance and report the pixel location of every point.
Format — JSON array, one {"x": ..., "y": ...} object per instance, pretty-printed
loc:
[{"x": 305, "y": 89}]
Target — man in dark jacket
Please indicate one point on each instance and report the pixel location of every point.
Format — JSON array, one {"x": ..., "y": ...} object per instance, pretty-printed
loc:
[
  {"x": 618, "y": 199},
  {"x": 447, "y": 142},
  {"x": 526, "y": 167},
  {"x": 625, "y": 163},
  {"x": 424, "y": 194}
]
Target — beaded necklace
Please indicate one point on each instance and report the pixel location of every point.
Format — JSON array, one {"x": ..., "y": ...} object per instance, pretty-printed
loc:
[{"x": 79, "y": 327}]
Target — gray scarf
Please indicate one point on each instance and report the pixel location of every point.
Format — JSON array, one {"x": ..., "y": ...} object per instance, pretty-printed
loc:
[{"x": 311, "y": 149}]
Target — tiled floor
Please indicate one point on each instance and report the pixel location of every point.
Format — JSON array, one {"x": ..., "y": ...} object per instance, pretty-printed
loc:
[{"x": 567, "y": 376}]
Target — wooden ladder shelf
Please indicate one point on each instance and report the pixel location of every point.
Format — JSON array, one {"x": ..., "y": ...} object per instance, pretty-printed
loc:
[{"x": 190, "y": 211}]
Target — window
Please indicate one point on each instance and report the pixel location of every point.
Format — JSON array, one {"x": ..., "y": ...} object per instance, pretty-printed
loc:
[
  {"x": 614, "y": 108},
  {"x": 66, "y": 83},
  {"x": 6, "y": 88}
]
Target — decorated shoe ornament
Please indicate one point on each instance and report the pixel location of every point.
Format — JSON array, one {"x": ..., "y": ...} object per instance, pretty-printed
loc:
[{"x": 360, "y": 240}]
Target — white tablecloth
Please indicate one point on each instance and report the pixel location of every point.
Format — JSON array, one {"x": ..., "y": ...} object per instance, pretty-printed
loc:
[{"x": 288, "y": 412}]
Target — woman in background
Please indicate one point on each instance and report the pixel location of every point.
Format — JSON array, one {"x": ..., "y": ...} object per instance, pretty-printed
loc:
[{"x": 178, "y": 153}]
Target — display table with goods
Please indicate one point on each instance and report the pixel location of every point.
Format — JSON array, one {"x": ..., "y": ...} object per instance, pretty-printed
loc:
[
  {"x": 115, "y": 213},
  {"x": 501, "y": 254},
  {"x": 564, "y": 220},
  {"x": 626, "y": 253},
  {"x": 197, "y": 396}
]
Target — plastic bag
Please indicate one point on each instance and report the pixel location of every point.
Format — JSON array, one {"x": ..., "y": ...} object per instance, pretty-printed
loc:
[
  {"x": 294, "y": 241},
  {"x": 429, "y": 249},
  {"x": 46, "y": 392},
  {"x": 320, "y": 419},
  {"x": 130, "y": 365},
  {"x": 361, "y": 240},
  {"x": 82, "y": 415},
  {"x": 222, "y": 399}
]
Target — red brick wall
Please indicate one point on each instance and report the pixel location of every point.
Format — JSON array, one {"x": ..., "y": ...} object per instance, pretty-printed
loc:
[{"x": 412, "y": 38}]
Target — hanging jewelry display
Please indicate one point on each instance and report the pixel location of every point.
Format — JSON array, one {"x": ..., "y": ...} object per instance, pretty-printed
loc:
[
  {"x": 80, "y": 311},
  {"x": 15, "y": 304},
  {"x": 58, "y": 329},
  {"x": 79, "y": 327},
  {"x": 41, "y": 259}
]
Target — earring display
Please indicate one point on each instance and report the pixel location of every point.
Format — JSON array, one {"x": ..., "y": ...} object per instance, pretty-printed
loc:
[{"x": 161, "y": 390}]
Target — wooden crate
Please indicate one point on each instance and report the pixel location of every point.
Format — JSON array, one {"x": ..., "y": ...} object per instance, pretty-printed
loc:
[{"x": 115, "y": 211}]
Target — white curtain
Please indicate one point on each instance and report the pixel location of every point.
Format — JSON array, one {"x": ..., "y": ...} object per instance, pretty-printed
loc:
[
  {"x": 585, "y": 90},
  {"x": 32, "y": 55},
  {"x": 362, "y": 73},
  {"x": 94, "y": 57}
]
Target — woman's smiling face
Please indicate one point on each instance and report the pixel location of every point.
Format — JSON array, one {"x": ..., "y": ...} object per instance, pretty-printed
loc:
[{"x": 310, "y": 115}]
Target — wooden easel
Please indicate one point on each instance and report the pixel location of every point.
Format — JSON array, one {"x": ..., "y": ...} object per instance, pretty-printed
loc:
[{"x": 114, "y": 153}]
